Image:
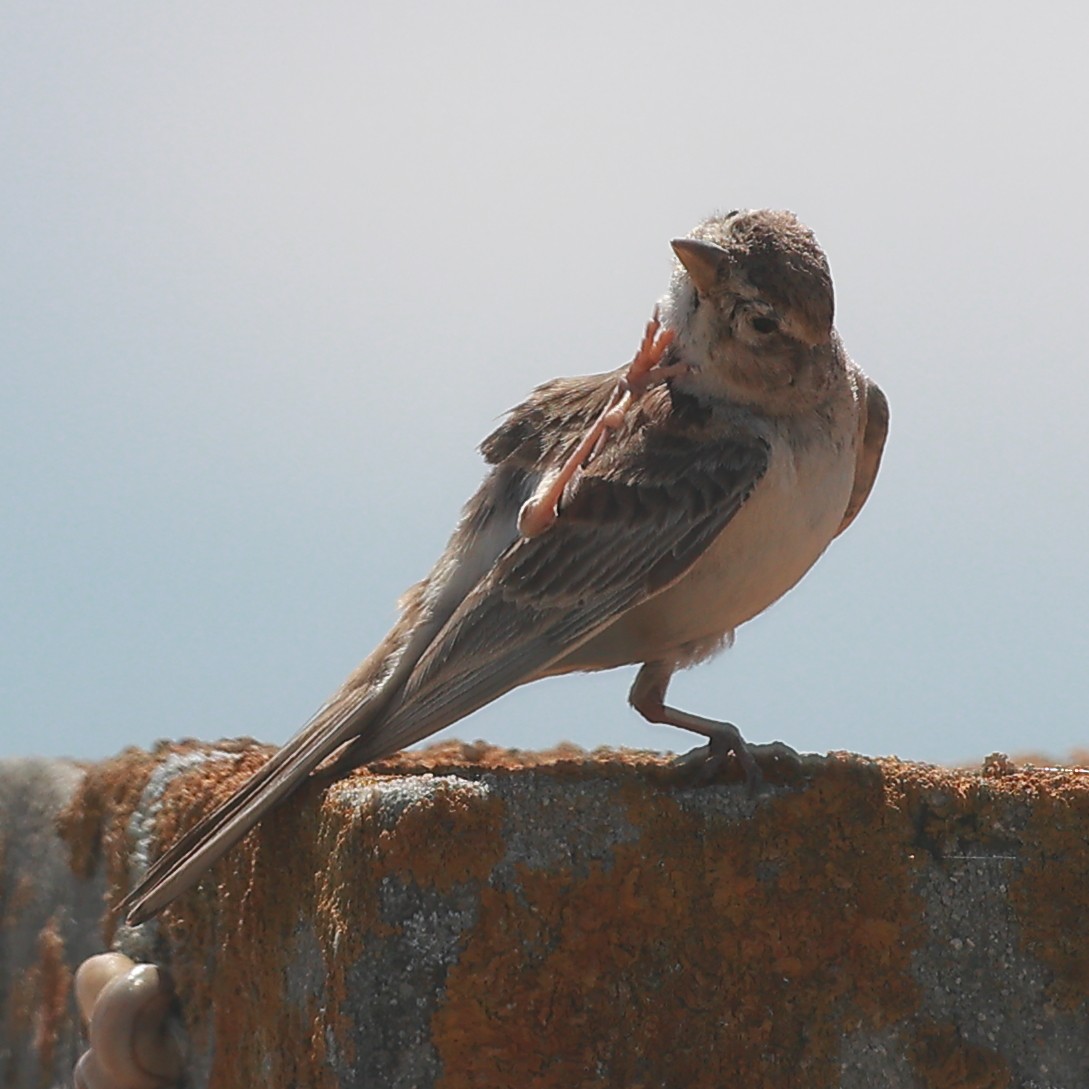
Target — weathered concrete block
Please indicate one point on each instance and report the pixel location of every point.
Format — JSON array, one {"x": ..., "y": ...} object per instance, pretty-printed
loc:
[
  {"x": 472, "y": 917},
  {"x": 51, "y": 920}
]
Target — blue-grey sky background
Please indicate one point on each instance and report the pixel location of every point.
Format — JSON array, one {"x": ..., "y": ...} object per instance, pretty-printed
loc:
[{"x": 271, "y": 271}]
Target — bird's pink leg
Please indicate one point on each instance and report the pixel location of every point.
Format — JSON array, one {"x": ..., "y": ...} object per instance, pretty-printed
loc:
[
  {"x": 647, "y": 696},
  {"x": 644, "y": 371}
]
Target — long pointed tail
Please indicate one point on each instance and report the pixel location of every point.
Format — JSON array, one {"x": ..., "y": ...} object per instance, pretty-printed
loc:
[{"x": 183, "y": 864}]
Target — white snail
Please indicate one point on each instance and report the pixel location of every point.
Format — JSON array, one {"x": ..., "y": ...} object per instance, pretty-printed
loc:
[{"x": 125, "y": 1006}]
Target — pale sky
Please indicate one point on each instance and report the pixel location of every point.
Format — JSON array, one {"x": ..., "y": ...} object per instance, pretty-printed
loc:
[{"x": 271, "y": 271}]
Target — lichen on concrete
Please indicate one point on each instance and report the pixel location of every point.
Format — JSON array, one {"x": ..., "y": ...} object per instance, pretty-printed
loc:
[{"x": 467, "y": 916}]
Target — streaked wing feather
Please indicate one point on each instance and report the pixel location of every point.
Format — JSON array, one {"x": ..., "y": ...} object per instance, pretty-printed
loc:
[{"x": 623, "y": 536}]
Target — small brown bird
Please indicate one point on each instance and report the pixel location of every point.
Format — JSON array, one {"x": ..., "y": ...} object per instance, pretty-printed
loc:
[{"x": 637, "y": 516}]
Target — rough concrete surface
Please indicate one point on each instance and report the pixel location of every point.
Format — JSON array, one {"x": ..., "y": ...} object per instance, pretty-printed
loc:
[{"x": 466, "y": 916}]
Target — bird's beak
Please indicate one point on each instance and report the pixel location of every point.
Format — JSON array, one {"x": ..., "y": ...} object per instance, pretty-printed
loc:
[{"x": 702, "y": 261}]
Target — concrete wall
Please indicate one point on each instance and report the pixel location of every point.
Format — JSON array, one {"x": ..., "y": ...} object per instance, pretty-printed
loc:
[{"x": 473, "y": 917}]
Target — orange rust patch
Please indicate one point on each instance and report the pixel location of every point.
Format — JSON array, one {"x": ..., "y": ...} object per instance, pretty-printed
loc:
[
  {"x": 946, "y": 1061},
  {"x": 35, "y": 1017},
  {"x": 248, "y": 930},
  {"x": 708, "y": 951},
  {"x": 50, "y": 985},
  {"x": 1052, "y": 893},
  {"x": 93, "y": 819},
  {"x": 321, "y": 857},
  {"x": 448, "y": 837},
  {"x": 94, "y": 823}
]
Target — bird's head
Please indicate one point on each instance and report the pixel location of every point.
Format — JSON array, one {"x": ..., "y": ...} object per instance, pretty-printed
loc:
[{"x": 751, "y": 304}]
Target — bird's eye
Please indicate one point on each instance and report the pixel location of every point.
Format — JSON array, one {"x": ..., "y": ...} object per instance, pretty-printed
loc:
[{"x": 764, "y": 325}]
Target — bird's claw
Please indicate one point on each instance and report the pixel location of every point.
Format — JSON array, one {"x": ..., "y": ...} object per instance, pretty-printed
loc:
[{"x": 704, "y": 763}]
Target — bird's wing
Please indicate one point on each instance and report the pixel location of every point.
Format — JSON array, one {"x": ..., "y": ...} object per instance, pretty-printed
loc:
[
  {"x": 640, "y": 517},
  {"x": 875, "y": 428}
]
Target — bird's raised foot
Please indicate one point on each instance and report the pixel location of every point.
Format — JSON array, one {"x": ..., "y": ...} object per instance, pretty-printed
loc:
[{"x": 541, "y": 510}]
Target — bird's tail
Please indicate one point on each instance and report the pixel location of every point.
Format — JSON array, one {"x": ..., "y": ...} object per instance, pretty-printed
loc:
[{"x": 183, "y": 864}]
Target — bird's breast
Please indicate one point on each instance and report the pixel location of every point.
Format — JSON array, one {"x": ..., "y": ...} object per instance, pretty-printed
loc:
[{"x": 777, "y": 535}]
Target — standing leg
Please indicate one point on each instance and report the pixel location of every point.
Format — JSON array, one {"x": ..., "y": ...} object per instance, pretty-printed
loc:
[{"x": 647, "y": 696}]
